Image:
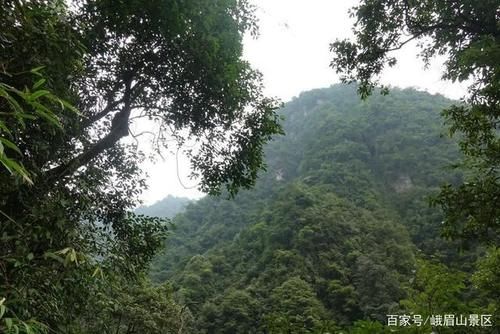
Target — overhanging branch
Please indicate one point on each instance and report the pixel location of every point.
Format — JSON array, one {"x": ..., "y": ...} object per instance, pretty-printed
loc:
[{"x": 119, "y": 129}]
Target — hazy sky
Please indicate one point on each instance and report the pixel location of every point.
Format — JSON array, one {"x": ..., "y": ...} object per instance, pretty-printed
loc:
[{"x": 292, "y": 52}]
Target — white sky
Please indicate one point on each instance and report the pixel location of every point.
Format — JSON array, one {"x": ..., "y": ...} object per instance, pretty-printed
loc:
[{"x": 292, "y": 52}]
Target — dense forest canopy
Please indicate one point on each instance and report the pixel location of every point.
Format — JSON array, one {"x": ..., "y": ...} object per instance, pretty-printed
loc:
[
  {"x": 370, "y": 210},
  {"x": 467, "y": 33},
  {"x": 337, "y": 230}
]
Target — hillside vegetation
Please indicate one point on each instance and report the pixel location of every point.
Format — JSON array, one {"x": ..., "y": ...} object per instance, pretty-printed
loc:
[{"x": 337, "y": 233}]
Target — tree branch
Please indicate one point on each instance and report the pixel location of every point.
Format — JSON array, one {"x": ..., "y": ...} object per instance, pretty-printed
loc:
[
  {"x": 119, "y": 129},
  {"x": 110, "y": 107}
]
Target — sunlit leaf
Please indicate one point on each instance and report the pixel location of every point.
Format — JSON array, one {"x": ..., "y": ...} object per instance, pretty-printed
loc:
[{"x": 39, "y": 83}]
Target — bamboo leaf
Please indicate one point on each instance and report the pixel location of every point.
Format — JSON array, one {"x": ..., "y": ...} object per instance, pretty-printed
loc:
[
  {"x": 64, "y": 104},
  {"x": 70, "y": 107},
  {"x": 9, "y": 144},
  {"x": 5, "y": 129},
  {"x": 15, "y": 168},
  {"x": 5, "y": 162},
  {"x": 36, "y": 70},
  {"x": 50, "y": 255},
  {"x": 39, "y": 83},
  {"x": 64, "y": 250},
  {"x": 12, "y": 102},
  {"x": 46, "y": 114},
  {"x": 36, "y": 95}
]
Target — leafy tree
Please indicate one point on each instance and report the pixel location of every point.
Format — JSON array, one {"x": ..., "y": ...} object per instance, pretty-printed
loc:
[
  {"x": 467, "y": 32},
  {"x": 176, "y": 65},
  {"x": 38, "y": 100},
  {"x": 486, "y": 280},
  {"x": 235, "y": 312},
  {"x": 369, "y": 327},
  {"x": 437, "y": 288},
  {"x": 136, "y": 308},
  {"x": 196, "y": 281},
  {"x": 295, "y": 308},
  {"x": 181, "y": 67}
]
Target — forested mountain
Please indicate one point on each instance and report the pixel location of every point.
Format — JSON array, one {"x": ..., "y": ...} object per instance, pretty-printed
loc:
[
  {"x": 165, "y": 208},
  {"x": 337, "y": 235},
  {"x": 337, "y": 230}
]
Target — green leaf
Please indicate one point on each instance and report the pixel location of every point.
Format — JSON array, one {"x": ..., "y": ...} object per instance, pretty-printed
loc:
[
  {"x": 14, "y": 168},
  {"x": 27, "y": 116},
  {"x": 2, "y": 310},
  {"x": 8, "y": 323},
  {"x": 36, "y": 95},
  {"x": 36, "y": 70},
  {"x": 27, "y": 328},
  {"x": 64, "y": 250},
  {"x": 72, "y": 256},
  {"x": 64, "y": 104},
  {"x": 5, "y": 129},
  {"x": 97, "y": 271},
  {"x": 9, "y": 144},
  {"x": 68, "y": 105},
  {"x": 46, "y": 114},
  {"x": 6, "y": 163},
  {"x": 39, "y": 83},
  {"x": 12, "y": 102}
]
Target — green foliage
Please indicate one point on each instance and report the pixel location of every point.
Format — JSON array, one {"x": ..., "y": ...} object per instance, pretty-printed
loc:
[
  {"x": 235, "y": 312},
  {"x": 436, "y": 288},
  {"x": 10, "y": 325},
  {"x": 181, "y": 67},
  {"x": 68, "y": 238},
  {"x": 369, "y": 327},
  {"x": 467, "y": 32},
  {"x": 295, "y": 308},
  {"x": 34, "y": 104},
  {"x": 323, "y": 243},
  {"x": 137, "y": 307},
  {"x": 486, "y": 278}
]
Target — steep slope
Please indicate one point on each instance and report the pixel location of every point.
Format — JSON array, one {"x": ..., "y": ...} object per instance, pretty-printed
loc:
[{"x": 332, "y": 219}]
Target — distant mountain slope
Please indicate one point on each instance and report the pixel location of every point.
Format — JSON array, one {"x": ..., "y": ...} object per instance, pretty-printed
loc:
[
  {"x": 168, "y": 207},
  {"x": 340, "y": 214}
]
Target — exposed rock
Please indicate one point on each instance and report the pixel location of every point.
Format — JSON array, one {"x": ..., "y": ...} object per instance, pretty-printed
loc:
[{"x": 402, "y": 184}]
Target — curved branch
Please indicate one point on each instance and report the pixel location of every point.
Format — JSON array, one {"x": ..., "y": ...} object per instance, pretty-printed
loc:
[
  {"x": 119, "y": 129},
  {"x": 110, "y": 107}
]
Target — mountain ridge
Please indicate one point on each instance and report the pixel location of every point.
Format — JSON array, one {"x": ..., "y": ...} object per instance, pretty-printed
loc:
[{"x": 341, "y": 213}]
